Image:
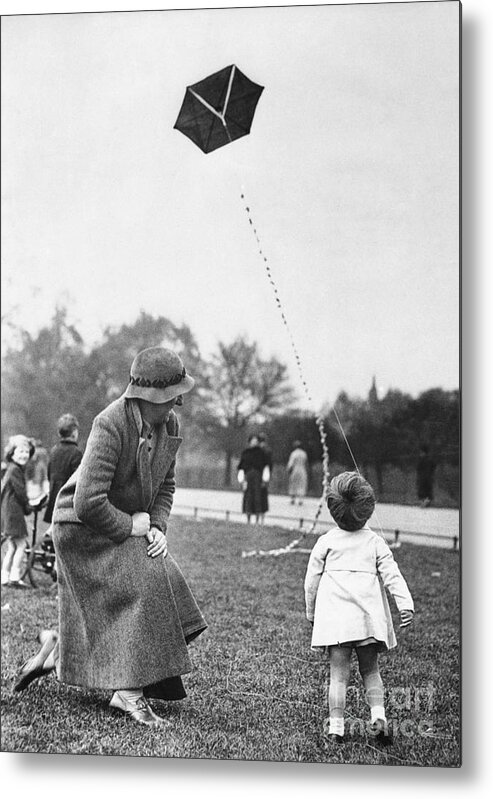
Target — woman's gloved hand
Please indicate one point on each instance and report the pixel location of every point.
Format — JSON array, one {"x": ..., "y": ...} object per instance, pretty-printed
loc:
[{"x": 158, "y": 543}]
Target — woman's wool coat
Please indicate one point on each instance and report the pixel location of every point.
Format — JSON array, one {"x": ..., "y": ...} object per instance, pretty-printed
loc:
[{"x": 125, "y": 618}]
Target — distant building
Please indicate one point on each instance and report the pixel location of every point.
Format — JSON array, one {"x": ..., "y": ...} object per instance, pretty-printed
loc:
[{"x": 373, "y": 398}]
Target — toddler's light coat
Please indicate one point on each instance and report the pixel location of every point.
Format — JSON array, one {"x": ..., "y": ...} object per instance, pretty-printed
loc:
[{"x": 344, "y": 588}]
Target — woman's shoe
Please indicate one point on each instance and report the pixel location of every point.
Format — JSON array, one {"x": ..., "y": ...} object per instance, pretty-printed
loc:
[
  {"x": 36, "y": 666},
  {"x": 18, "y": 584},
  {"x": 139, "y": 710}
]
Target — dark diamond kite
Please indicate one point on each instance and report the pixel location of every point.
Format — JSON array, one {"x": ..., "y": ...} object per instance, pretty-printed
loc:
[{"x": 219, "y": 109}]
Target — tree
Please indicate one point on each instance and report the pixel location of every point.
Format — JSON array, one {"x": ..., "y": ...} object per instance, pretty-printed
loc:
[
  {"x": 282, "y": 431},
  {"x": 342, "y": 423},
  {"x": 241, "y": 389},
  {"x": 52, "y": 373},
  {"x": 382, "y": 435},
  {"x": 389, "y": 430},
  {"x": 43, "y": 377},
  {"x": 435, "y": 420}
]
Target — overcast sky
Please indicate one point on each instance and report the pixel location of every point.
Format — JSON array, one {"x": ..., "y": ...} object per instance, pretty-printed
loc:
[{"x": 351, "y": 172}]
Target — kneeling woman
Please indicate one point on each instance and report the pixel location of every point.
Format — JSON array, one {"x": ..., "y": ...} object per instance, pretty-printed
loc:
[{"x": 126, "y": 611}]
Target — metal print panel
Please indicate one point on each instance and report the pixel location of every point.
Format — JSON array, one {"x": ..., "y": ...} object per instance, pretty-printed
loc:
[{"x": 230, "y": 394}]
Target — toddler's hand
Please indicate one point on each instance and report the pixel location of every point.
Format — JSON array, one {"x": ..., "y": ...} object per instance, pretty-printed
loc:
[
  {"x": 158, "y": 545},
  {"x": 406, "y": 617}
]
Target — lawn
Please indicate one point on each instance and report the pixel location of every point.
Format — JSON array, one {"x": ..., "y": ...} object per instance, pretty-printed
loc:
[{"x": 257, "y": 690}]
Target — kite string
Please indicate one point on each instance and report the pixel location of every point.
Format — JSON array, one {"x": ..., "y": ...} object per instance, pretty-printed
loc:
[{"x": 318, "y": 417}]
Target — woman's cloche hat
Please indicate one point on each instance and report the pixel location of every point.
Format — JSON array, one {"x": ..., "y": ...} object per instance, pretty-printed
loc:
[{"x": 158, "y": 375}]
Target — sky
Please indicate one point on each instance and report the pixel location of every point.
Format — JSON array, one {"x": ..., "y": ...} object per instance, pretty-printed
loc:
[{"x": 351, "y": 174}]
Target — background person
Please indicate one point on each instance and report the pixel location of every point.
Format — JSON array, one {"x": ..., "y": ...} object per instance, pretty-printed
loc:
[
  {"x": 297, "y": 468},
  {"x": 126, "y": 613},
  {"x": 64, "y": 459},
  {"x": 266, "y": 473},
  {"x": 38, "y": 469},
  {"x": 253, "y": 471},
  {"x": 15, "y": 506},
  {"x": 425, "y": 476}
]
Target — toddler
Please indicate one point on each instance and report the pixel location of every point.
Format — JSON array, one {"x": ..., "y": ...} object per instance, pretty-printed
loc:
[
  {"x": 346, "y": 600},
  {"x": 15, "y": 505}
]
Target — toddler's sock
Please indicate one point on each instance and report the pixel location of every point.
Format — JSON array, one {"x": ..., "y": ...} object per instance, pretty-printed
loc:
[
  {"x": 377, "y": 712},
  {"x": 336, "y": 726}
]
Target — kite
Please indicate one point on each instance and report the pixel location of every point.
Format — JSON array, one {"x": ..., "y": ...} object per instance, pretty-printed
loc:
[{"x": 219, "y": 109}]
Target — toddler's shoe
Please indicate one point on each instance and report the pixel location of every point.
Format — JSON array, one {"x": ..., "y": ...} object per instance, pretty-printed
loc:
[
  {"x": 379, "y": 729},
  {"x": 334, "y": 738},
  {"x": 333, "y": 732}
]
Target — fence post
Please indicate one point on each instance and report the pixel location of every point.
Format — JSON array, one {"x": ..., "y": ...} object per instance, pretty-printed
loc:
[
  {"x": 301, "y": 523},
  {"x": 227, "y": 515},
  {"x": 195, "y": 512},
  {"x": 396, "y": 536},
  {"x": 456, "y": 541}
]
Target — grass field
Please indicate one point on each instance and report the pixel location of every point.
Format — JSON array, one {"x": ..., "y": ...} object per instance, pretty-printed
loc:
[{"x": 257, "y": 690}]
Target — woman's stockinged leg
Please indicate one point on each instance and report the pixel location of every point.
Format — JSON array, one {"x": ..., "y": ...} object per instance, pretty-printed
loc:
[{"x": 340, "y": 671}]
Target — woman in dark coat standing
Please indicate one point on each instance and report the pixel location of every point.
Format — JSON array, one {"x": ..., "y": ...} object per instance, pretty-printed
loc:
[
  {"x": 126, "y": 612},
  {"x": 253, "y": 473}
]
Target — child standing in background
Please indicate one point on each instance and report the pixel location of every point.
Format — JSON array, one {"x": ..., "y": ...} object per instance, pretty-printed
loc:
[
  {"x": 346, "y": 601},
  {"x": 15, "y": 505},
  {"x": 64, "y": 459}
]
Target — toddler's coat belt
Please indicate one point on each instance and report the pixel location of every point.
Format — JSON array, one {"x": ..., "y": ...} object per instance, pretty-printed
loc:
[{"x": 359, "y": 571}]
